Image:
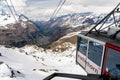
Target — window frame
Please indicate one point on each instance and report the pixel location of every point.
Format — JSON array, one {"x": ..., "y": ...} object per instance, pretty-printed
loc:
[
  {"x": 94, "y": 40},
  {"x": 78, "y": 45},
  {"x": 96, "y": 53}
]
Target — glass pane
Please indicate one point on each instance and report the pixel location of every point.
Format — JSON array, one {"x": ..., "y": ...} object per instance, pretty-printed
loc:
[
  {"x": 95, "y": 52},
  {"x": 82, "y": 45},
  {"x": 113, "y": 62}
]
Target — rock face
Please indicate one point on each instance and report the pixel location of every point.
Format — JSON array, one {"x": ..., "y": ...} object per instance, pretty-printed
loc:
[
  {"x": 17, "y": 34},
  {"x": 63, "y": 43}
]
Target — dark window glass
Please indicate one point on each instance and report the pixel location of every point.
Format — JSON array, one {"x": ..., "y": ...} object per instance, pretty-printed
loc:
[
  {"x": 95, "y": 52},
  {"x": 82, "y": 45},
  {"x": 113, "y": 62}
]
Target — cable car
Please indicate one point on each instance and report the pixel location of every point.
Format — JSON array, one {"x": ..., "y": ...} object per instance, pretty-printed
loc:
[
  {"x": 98, "y": 54},
  {"x": 98, "y": 50}
]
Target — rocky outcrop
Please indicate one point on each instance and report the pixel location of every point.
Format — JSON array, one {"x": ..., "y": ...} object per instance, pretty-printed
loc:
[
  {"x": 17, "y": 34},
  {"x": 63, "y": 43}
]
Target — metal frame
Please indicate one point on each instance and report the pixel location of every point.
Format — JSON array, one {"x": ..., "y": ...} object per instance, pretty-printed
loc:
[
  {"x": 65, "y": 75},
  {"x": 83, "y": 77},
  {"x": 104, "y": 20}
]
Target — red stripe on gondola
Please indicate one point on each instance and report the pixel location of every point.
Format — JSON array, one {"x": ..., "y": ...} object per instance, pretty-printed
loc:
[
  {"x": 113, "y": 46},
  {"x": 104, "y": 61}
]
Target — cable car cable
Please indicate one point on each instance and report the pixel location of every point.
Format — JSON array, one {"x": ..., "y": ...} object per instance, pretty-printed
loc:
[
  {"x": 11, "y": 11},
  {"x": 13, "y": 7},
  {"x": 59, "y": 8},
  {"x": 61, "y": 3},
  {"x": 56, "y": 9}
]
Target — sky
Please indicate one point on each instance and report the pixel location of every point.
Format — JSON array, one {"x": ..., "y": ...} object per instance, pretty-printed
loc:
[{"x": 43, "y": 9}]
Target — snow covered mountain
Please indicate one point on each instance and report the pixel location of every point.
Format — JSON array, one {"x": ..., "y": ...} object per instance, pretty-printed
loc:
[
  {"x": 16, "y": 31},
  {"x": 69, "y": 23},
  {"x": 53, "y": 29},
  {"x": 45, "y": 32}
]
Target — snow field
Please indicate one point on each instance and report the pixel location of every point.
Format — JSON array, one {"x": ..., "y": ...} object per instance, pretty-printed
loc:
[{"x": 36, "y": 63}]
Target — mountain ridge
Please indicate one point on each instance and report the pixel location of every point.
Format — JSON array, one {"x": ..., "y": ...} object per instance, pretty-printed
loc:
[{"x": 43, "y": 33}]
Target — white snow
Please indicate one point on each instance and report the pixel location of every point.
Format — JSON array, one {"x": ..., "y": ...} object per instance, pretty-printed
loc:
[
  {"x": 7, "y": 19},
  {"x": 4, "y": 70},
  {"x": 36, "y": 63}
]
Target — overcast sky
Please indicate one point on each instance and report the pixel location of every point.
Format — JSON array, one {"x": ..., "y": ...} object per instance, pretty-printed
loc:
[{"x": 43, "y": 9}]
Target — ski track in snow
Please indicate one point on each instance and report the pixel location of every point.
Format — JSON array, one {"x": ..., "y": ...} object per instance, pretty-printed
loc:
[{"x": 38, "y": 64}]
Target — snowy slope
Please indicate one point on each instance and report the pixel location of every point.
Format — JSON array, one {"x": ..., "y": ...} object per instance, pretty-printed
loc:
[
  {"x": 7, "y": 19},
  {"x": 36, "y": 63}
]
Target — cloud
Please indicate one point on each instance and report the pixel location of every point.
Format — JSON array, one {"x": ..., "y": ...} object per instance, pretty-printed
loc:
[
  {"x": 18, "y": 4},
  {"x": 95, "y": 2},
  {"x": 43, "y": 9}
]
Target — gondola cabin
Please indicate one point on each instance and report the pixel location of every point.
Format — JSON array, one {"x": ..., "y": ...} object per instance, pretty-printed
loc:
[
  {"x": 98, "y": 54},
  {"x": 98, "y": 50}
]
